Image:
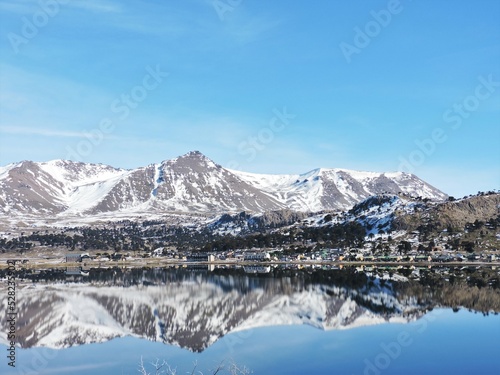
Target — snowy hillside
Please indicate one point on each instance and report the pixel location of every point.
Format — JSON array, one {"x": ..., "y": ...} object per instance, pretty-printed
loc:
[
  {"x": 191, "y": 183},
  {"x": 327, "y": 189}
]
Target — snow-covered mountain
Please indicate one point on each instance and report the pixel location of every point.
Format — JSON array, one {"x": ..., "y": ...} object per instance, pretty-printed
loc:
[
  {"x": 196, "y": 312},
  {"x": 327, "y": 189},
  {"x": 191, "y": 183}
]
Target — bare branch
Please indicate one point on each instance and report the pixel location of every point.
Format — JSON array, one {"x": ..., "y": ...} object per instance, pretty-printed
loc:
[
  {"x": 235, "y": 370},
  {"x": 194, "y": 368},
  {"x": 142, "y": 370},
  {"x": 165, "y": 368},
  {"x": 219, "y": 368},
  {"x": 170, "y": 370}
]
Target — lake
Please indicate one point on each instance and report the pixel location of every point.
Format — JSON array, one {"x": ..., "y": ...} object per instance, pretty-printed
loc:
[{"x": 261, "y": 319}]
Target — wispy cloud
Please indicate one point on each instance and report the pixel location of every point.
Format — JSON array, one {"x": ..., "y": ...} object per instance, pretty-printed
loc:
[
  {"x": 30, "y": 6},
  {"x": 96, "y": 6},
  {"x": 18, "y": 6},
  {"x": 39, "y": 131}
]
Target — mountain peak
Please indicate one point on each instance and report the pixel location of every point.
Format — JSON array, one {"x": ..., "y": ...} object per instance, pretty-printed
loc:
[
  {"x": 189, "y": 183},
  {"x": 194, "y": 154},
  {"x": 193, "y": 160}
]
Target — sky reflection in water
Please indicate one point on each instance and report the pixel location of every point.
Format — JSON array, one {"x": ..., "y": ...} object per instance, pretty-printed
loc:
[{"x": 442, "y": 342}]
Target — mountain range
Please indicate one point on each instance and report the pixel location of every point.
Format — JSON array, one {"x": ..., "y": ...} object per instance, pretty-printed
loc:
[
  {"x": 194, "y": 308},
  {"x": 191, "y": 183}
]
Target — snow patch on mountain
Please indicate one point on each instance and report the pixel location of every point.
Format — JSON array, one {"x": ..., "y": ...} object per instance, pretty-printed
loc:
[
  {"x": 191, "y": 183},
  {"x": 322, "y": 188}
]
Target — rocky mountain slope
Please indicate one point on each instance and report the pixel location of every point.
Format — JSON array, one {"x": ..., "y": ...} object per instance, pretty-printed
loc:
[
  {"x": 452, "y": 214},
  {"x": 330, "y": 189},
  {"x": 191, "y": 183}
]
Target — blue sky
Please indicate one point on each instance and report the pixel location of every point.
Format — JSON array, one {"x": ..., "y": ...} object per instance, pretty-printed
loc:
[{"x": 269, "y": 87}]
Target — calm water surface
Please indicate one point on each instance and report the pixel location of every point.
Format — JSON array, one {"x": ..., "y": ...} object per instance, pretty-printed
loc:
[{"x": 270, "y": 320}]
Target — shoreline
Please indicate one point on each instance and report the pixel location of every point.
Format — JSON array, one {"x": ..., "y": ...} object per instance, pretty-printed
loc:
[{"x": 38, "y": 263}]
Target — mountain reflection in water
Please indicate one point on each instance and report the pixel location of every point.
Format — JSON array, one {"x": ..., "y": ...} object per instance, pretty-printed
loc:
[{"x": 193, "y": 308}]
